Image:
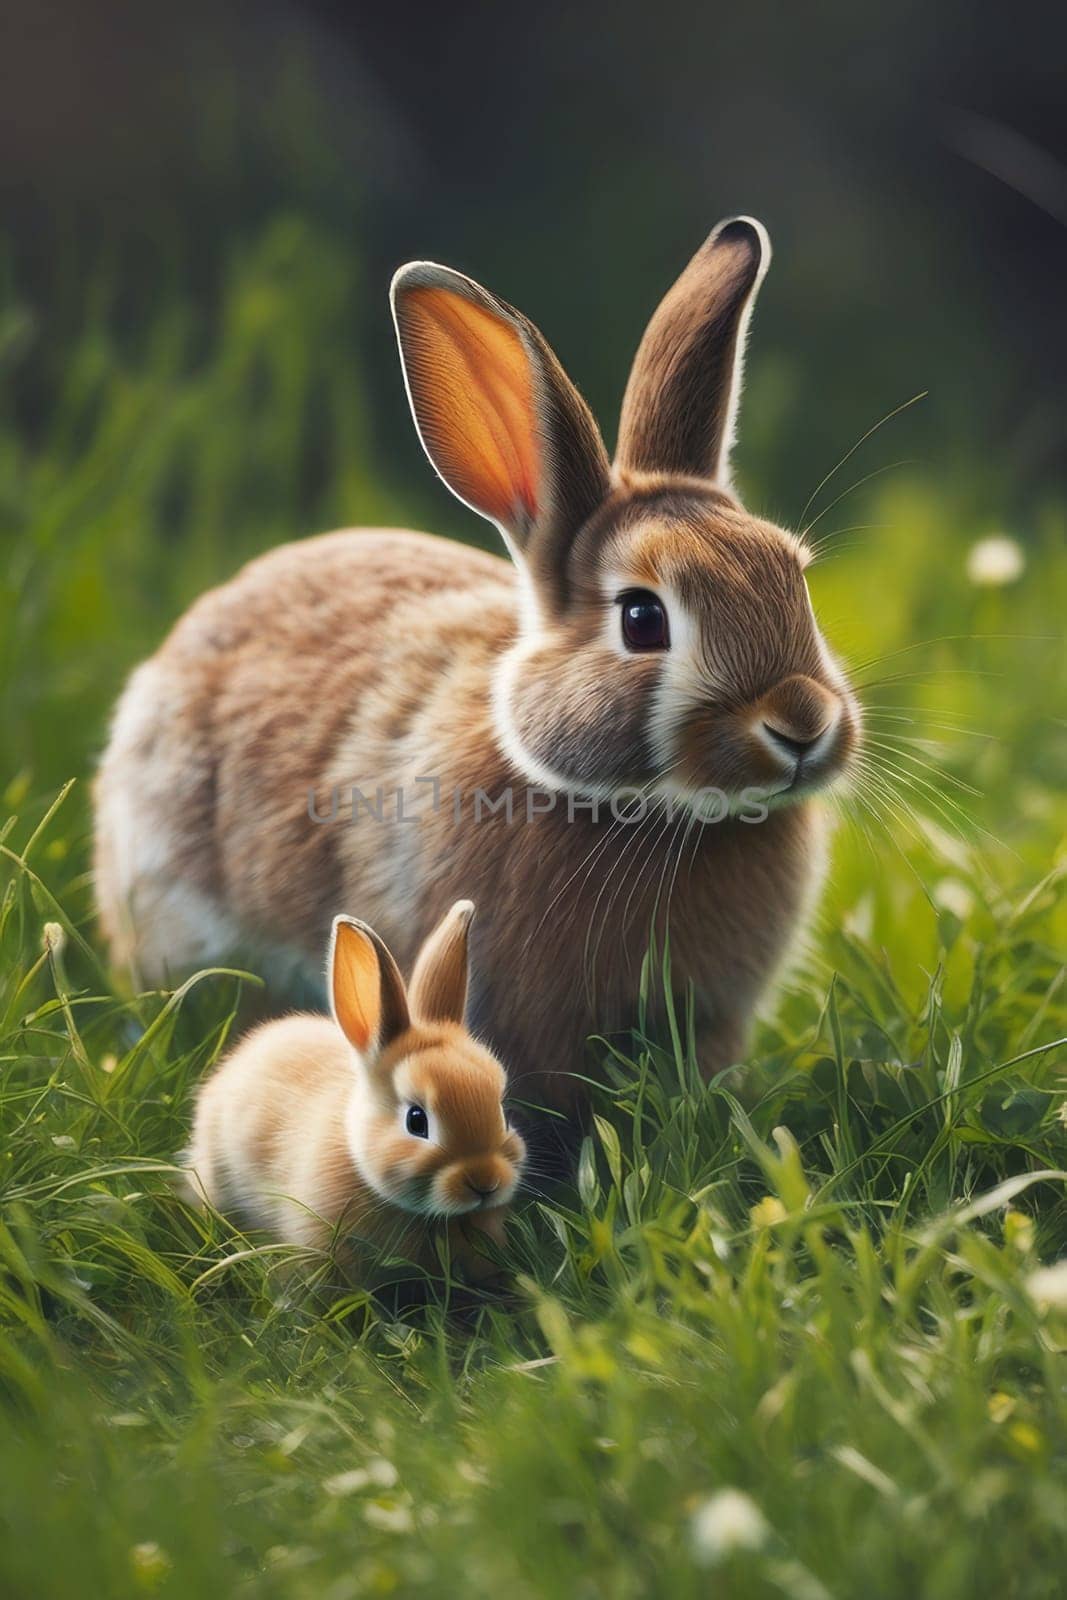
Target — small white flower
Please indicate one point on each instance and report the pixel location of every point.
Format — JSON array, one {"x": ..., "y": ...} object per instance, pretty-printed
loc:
[
  {"x": 993, "y": 562},
  {"x": 859, "y": 919},
  {"x": 952, "y": 895},
  {"x": 150, "y": 1563},
  {"x": 378, "y": 1474},
  {"x": 1048, "y": 1286},
  {"x": 726, "y": 1522},
  {"x": 343, "y": 1483},
  {"x": 390, "y": 1516}
]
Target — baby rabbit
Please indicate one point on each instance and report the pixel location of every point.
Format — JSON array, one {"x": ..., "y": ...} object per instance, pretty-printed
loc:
[
  {"x": 370, "y": 1126},
  {"x": 649, "y": 650}
]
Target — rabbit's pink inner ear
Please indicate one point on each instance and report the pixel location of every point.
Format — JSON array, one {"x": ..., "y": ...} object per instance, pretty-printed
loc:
[
  {"x": 356, "y": 986},
  {"x": 472, "y": 392}
]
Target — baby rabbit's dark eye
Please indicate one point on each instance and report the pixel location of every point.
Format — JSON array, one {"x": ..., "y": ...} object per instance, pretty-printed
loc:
[
  {"x": 417, "y": 1122},
  {"x": 644, "y": 621}
]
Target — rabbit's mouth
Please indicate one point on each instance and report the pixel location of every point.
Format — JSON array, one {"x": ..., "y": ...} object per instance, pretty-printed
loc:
[
  {"x": 779, "y": 750},
  {"x": 447, "y": 1194},
  {"x": 482, "y": 1185},
  {"x": 812, "y": 770}
]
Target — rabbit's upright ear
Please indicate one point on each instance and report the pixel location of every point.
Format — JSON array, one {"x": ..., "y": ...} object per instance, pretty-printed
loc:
[
  {"x": 498, "y": 417},
  {"x": 439, "y": 982},
  {"x": 366, "y": 990},
  {"x": 680, "y": 405}
]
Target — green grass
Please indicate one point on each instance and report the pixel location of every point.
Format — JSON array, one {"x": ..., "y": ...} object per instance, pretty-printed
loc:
[{"x": 811, "y": 1282}]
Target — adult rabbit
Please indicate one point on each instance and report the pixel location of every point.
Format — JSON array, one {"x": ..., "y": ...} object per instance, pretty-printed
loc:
[{"x": 649, "y": 648}]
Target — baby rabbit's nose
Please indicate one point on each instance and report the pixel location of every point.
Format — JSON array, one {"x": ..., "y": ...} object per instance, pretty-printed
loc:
[{"x": 483, "y": 1190}]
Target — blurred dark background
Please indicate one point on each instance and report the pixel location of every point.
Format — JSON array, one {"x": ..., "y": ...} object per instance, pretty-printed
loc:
[{"x": 908, "y": 160}]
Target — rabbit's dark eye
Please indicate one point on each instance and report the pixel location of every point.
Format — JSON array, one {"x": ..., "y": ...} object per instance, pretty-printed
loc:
[
  {"x": 417, "y": 1122},
  {"x": 644, "y": 621}
]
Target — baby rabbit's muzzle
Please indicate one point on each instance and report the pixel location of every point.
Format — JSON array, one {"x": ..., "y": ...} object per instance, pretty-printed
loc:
[{"x": 477, "y": 1184}]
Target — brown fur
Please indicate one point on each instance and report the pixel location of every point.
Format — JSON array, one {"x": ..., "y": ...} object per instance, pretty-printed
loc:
[
  {"x": 374, "y": 659},
  {"x": 676, "y": 410}
]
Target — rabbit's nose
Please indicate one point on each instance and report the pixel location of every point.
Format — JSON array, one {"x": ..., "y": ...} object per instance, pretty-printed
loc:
[
  {"x": 798, "y": 719},
  {"x": 794, "y": 749},
  {"x": 483, "y": 1190}
]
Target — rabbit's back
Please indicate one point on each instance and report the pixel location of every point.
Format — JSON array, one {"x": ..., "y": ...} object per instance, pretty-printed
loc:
[
  {"x": 268, "y": 1143},
  {"x": 203, "y": 838}
]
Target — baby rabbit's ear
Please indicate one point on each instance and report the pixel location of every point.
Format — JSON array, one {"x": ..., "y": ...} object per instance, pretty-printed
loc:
[
  {"x": 439, "y": 982},
  {"x": 680, "y": 405},
  {"x": 366, "y": 990},
  {"x": 498, "y": 417}
]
